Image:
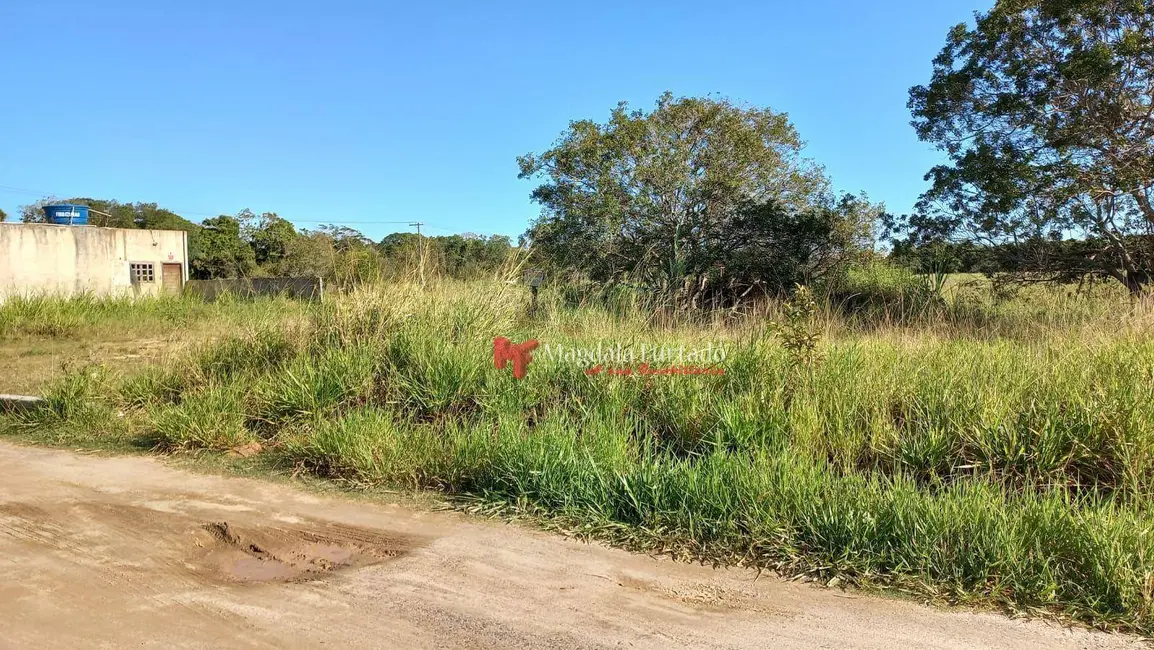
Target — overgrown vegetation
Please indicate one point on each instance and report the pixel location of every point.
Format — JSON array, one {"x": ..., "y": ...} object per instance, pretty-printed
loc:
[
  {"x": 88, "y": 316},
  {"x": 969, "y": 454}
]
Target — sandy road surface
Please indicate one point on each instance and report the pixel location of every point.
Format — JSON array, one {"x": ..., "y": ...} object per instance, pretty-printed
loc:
[{"x": 128, "y": 552}]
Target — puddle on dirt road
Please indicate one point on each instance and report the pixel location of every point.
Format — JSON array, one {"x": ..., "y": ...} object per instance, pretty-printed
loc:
[
  {"x": 129, "y": 538},
  {"x": 274, "y": 554}
]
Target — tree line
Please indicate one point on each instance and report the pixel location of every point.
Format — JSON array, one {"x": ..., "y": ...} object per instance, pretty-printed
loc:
[{"x": 252, "y": 245}]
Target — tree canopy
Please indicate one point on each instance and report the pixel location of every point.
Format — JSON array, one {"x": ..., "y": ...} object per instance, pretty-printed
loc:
[
  {"x": 697, "y": 197},
  {"x": 222, "y": 252},
  {"x": 1046, "y": 111},
  {"x": 271, "y": 239}
]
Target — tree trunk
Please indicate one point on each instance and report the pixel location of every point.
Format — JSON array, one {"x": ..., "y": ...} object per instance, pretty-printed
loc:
[{"x": 1136, "y": 282}]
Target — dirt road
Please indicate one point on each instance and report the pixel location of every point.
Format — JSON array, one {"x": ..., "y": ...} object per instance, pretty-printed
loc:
[{"x": 129, "y": 552}]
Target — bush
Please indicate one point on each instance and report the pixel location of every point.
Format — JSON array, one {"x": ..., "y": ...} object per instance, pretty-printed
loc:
[
  {"x": 881, "y": 291},
  {"x": 367, "y": 446}
]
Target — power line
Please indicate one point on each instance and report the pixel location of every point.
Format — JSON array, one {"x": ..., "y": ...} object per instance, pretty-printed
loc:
[
  {"x": 25, "y": 191},
  {"x": 337, "y": 222},
  {"x": 341, "y": 223}
]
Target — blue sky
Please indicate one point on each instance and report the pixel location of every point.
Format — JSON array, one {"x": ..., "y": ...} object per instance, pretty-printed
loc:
[{"x": 358, "y": 112}]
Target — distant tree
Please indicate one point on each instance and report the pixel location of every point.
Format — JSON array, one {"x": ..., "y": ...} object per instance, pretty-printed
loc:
[
  {"x": 248, "y": 222},
  {"x": 1046, "y": 111},
  {"x": 340, "y": 255},
  {"x": 344, "y": 237},
  {"x": 393, "y": 244},
  {"x": 3, "y": 215},
  {"x": 401, "y": 252},
  {"x": 34, "y": 212},
  {"x": 309, "y": 255},
  {"x": 153, "y": 217},
  {"x": 223, "y": 253},
  {"x": 462, "y": 257},
  {"x": 271, "y": 239},
  {"x": 660, "y": 198}
]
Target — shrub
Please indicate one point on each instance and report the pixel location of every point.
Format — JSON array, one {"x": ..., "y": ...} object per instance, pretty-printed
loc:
[{"x": 881, "y": 290}]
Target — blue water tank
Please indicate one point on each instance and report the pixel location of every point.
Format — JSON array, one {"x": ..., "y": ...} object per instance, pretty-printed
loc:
[{"x": 67, "y": 214}]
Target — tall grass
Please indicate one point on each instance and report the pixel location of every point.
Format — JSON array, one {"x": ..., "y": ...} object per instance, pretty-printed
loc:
[{"x": 971, "y": 462}]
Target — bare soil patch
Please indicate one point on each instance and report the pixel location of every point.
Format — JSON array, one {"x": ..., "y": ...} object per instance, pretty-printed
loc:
[
  {"x": 33, "y": 363},
  {"x": 290, "y": 554}
]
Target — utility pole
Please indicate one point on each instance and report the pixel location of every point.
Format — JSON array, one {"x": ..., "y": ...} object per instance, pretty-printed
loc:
[{"x": 420, "y": 250}]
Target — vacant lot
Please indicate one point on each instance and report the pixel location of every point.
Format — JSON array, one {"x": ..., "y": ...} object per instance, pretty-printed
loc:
[
  {"x": 969, "y": 452},
  {"x": 44, "y": 338}
]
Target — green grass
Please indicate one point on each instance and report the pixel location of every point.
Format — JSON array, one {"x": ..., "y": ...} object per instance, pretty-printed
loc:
[{"x": 972, "y": 453}]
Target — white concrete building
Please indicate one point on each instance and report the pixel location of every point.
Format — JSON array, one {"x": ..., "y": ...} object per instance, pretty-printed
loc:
[{"x": 39, "y": 258}]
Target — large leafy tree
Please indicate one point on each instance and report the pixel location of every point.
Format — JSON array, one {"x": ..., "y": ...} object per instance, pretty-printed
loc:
[
  {"x": 271, "y": 238},
  {"x": 1046, "y": 111},
  {"x": 664, "y": 197},
  {"x": 223, "y": 252}
]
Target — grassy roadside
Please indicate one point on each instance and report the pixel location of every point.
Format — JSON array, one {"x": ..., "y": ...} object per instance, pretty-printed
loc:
[{"x": 989, "y": 470}]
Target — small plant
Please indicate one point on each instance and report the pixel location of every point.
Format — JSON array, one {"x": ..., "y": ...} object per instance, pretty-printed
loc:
[
  {"x": 798, "y": 330},
  {"x": 936, "y": 283}
]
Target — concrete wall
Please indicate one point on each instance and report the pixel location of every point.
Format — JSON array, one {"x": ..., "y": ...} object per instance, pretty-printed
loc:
[
  {"x": 300, "y": 288},
  {"x": 40, "y": 259}
]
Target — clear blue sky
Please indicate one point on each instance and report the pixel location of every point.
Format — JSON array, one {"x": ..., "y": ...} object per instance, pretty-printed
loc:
[{"x": 350, "y": 112}]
